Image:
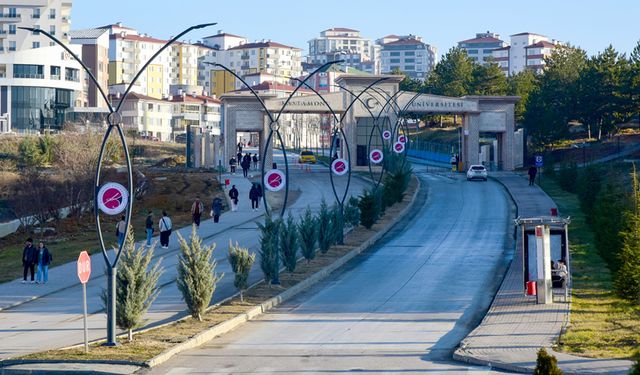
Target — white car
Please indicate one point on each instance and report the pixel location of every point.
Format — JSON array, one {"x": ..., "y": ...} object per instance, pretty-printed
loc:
[{"x": 477, "y": 172}]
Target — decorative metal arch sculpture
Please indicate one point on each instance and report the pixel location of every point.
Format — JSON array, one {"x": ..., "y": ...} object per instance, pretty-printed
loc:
[{"x": 114, "y": 120}]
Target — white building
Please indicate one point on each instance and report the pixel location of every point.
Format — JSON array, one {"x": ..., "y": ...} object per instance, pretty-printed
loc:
[
  {"x": 341, "y": 43},
  {"x": 526, "y": 51},
  {"x": 150, "y": 117},
  {"x": 409, "y": 54},
  {"x": 480, "y": 49}
]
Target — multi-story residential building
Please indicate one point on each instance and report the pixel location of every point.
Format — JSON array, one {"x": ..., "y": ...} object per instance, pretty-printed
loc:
[
  {"x": 341, "y": 43},
  {"x": 409, "y": 54},
  {"x": 190, "y": 108},
  {"x": 526, "y": 51},
  {"x": 535, "y": 54},
  {"x": 480, "y": 49},
  {"x": 518, "y": 52},
  {"x": 501, "y": 57},
  {"x": 95, "y": 55},
  {"x": 149, "y": 116},
  {"x": 39, "y": 81}
]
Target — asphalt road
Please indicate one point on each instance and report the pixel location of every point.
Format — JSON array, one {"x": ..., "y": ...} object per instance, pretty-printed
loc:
[
  {"x": 55, "y": 320},
  {"x": 400, "y": 308}
]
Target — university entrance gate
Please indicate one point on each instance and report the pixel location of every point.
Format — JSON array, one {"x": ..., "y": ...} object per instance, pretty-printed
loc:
[{"x": 488, "y": 117}]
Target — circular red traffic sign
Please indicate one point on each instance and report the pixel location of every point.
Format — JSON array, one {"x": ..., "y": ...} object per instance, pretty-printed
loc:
[
  {"x": 274, "y": 180},
  {"x": 376, "y": 156},
  {"x": 386, "y": 135},
  {"x": 398, "y": 147},
  {"x": 84, "y": 267},
  {"x": 402, "y": 138},
  {"x": 340, "y": 167},
  {"x": 112, "y": 198}
]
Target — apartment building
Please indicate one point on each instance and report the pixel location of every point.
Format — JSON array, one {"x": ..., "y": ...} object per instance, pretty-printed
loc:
[
  {"x": 409, "y": 54},
  {"x": 39, "y": 81},
  {"x": 526, "y": 51},
  {"x": 535, "y": 54},
  {"x": 95, "y": 55},
  {"x": 340, "y": 43},
  {"x": 480, "y": 49},
  {"x": 148, "y": 116}
]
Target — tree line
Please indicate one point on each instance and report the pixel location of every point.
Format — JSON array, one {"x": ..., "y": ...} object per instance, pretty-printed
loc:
[{"x": 599, "y": 91}]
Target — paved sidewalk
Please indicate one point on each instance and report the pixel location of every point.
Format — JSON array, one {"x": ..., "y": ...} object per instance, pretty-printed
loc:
[{"x": 515, "y": 327}]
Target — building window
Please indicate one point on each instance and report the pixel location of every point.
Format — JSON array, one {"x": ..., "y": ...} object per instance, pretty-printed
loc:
[
  {"x": 35, "y": 44},
  {"x": 36, "y": 32},
  {"x": 472, "y": 51},
  {"x": 12, "y": 29},
  {"x": 13, "y": 13},
  {"x": 52, "y": 30},
  {"x": 394, "y": 61},
  {"x": 487, "y": 51},
  {"x": 28, "y": 71},
  {"x": 409, "y": 53},
  {"x": 409, "y": 67},
  {"x": 54, "y": 72},
  {"x": 36, "y": 13},
  {"x": 409, "y": 60},
  {"x": 394, "y": 53},
  {"x": 71, "y": 74},
  {"x": 12, "y": 45},
  {"x": 52, "y": 13}
]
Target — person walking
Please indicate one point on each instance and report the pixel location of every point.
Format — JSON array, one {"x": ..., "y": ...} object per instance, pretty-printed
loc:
[
  {"x": 254, "y": 196},
  {"x": 148, "y": 226},
  {"x": 233, "y": 194},
  {"x": 532, "y": 174},
  {"x": 28, "y": 260},
  {"x": 44, "y": 259},
  {"x": 246, "y": 164},
  {"x": 454, "y": 163},
  {"x": 196, "y": 211},
  {"x": 216, "y": 209},
  {"x": 239, "y": 158},
  {"x": 165, "y": 230},
  {"x": 254, "y": 158},
  {"x": 239, "y": 148},
  {"x": 120, "y": 228},
  {"x": 232, "y": 165}
]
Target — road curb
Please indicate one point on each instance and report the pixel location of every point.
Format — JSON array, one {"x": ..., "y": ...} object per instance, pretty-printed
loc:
[
  {"x": 240, "y": 319},
  {"x": 463, "y": 356}
]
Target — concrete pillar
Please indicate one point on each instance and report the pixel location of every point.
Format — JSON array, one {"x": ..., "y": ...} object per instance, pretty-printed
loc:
[
  {"x": 543, "y": 257},
  {"x": 471, "y": 140},
  {"x": 208, "y": 151},
  {"x": 197, "y": 147}
]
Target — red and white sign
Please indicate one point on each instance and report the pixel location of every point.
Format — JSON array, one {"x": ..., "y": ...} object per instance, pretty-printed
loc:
[
  {"x": 398, "y": 147},
  {"x": 112, "y": 198},
  {"x": 84, "y": 267},
  {"x": 402, "y": 138},
  {"x": 274, "y": 180},
  {"x": 386, "y": 135},
  {"x": 376, "y": 156},
  {"x": 538, "y": 231},
  {"x": 340, "y": 167}
]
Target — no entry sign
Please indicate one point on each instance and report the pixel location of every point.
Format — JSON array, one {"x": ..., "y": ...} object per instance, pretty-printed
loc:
[
  {"x": 386, "y": 135},
  {"x": 112, "y": 198},
  {"x": 340, "y": 167},
  {"x": 402, "y": 139},
  {"x": 274, "y": 180},
  {"x": 84, "y": 267},
  {"x": 398, "y": 147},
  {"x": 376, "y": 156}
]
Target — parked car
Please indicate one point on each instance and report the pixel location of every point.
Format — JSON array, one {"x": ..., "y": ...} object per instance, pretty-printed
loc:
[
  {"x": 307, "y": 157},
  {"x": 478, "y": 172}
]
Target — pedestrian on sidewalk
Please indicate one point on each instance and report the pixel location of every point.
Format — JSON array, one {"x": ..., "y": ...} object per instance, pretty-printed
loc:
[
  {"x": 532, "y": 174},
  {"x": 233, "y": 194},
  {"x": 216, "y": 209},
  {"x": 165, "y": 230},
  {"x": 196, "y": 211},
  {"x": 254, "y": 195},
  {"x": 245, "y": 164},
  {"x": 454, "y": 163},
  {"x": 254, "y": 158},
  {"x": 44, "y": 259},
  {"x": 232, "y": 165},
  {"x": 148, "y": 225},
  {"x": 239, "y": 158},
  {"x": 28, "y": 260},
  {"x": 120, "y": 228},
  {"x": 240, "y": 148}
]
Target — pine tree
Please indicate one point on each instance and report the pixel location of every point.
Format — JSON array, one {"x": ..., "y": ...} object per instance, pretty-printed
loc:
[
  {"x": 308, "y": 231},
  {"x": 289, "y": 244},
  {"x": 325, "y": 228},
  {"x": 367, "y": 206},
  {"x": 546, "y": 364},
  {"x": 136, "y": 285},
  {"x": 269, "y": 259},
  {"x": 352, "y": 212},
  {"x": 197, "y": 277},
  {"x": 628, "y": 277},
  {"x": 241, "y": 262}
]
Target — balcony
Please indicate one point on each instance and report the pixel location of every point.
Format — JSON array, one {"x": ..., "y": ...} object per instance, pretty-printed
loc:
[
  {"x": 34, "y": 76},
  {"x": 10, "y": 17},
  {"x": 244, "y": 56},
  {"x": 66, "y": 19}
]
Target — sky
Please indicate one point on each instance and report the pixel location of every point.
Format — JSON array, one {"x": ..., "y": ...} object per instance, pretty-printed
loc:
[{"x": 590, "y": 24}]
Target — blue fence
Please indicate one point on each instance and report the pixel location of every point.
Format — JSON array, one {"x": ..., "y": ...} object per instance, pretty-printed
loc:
[{"x": 432, "y": 151}]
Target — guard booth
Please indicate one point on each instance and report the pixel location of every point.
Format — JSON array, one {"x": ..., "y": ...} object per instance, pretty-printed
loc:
[{"x": 545, "y": 243}]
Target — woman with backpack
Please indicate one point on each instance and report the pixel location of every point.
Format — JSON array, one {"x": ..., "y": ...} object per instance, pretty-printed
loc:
[{"x": 165, "y": 230}]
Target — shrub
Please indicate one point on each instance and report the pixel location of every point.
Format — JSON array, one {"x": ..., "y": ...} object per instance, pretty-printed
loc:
[
  {"x": 367, "y": 206},
  {"x": 269, "y": 260},
  {"x": 627, "y": 280},
  {"x": 635, "y": 369},
  {"x": 337, "y": 224},
  {"x": 29, "y": 153},
  {"x": 136, "y": 285},
  {"x": 326, "y": 233},
  {"x": 241, "y": 262},
  {"x": 197, "y": 278},
  {"x": 352, "y": 212},
  {"x": 289, "y": 244},
  {"x": 567, "y": 177},
  {"x": 607, "y": 223},
  {"x": 308, "y": 231},
  {"x": 546, "y": 364},
  {"x": 588, "y": 187}
]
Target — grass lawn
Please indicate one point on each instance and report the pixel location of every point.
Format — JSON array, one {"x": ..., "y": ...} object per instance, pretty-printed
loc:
[{"x": 602, "y": 324}]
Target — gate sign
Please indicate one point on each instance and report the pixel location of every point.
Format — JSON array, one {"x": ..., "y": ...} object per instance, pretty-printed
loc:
[
  {"x": 84, "y": 267},
  {"x": 539, "y": 161},
  {"x": 402, "y": 139},
  {"x": 340, "y": 167},
  {"x": 274, "y": 180},
  {"x": 376, "y": 156},
  {"x": 112, "y": 198},
  {"x": 398, "y": 147},
  {"x": 386, "y": 135}
]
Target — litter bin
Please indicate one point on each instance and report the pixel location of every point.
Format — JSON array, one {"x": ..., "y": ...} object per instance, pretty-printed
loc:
[{"x": 532, "y": 289}]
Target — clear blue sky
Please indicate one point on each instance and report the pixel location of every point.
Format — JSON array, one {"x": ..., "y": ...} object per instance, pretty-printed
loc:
[{"x": 590, "y": 24}]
